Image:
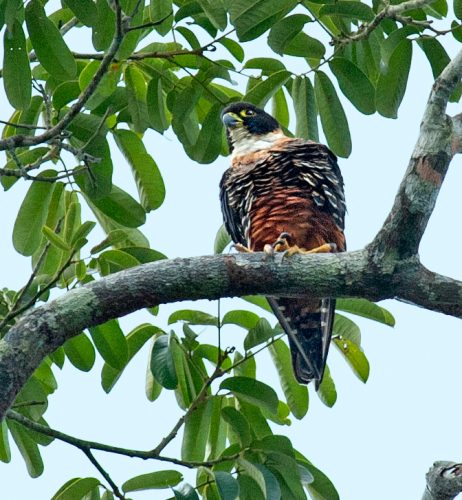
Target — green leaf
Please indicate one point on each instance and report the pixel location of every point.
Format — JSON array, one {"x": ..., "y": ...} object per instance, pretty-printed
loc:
[
  {"x": 355, "y": 358},
  {"x": 16, "y": 68},
  {"x": 263, "y": 91},
  {"x": 253, "y": 391},
  {"x": 296, "y": 394},
  {"x": 55, "y": 239},
  {"x": 152, "y": 388},
  {"x": 259, "y": 301},
  {"x": 32, "y": 215},
  {"x": 215, "y": 12},
  {"x": 64, "y": 93},
  {"x": 268, "y": 65},
  {"x": 326, "y": 391},
  {"x": 208, "y": 144},
  {"x": 104, "y": 26},
  {"x": 238, "y": 424},
  {"x": 159, "y": 117},
  {"x": 136, "y": 96},
  {"x": 27, "y": 447},
  {"x": 457, "y": 6},
  {"x": 222, "y": 240},
  {"x": 233, "y": 47},
  {"x": 135, "y": 341},
  {"x": 259, "y": 334},
  {"x": 286, "y": 37},
  {"x": 115, "y": 261},
  {"x": 245, "y": 319},
  {"x": 185, "y": 492},
  {"x": 321, "y": 488},
  {"x": 349, "y": 9},
  {"x": 5, "y": 453},
  {"x": 76, "y": 488},
  {"x": 49, "y": 46},
  {"x": 245, "y": 367},
  {"x": 436, "y": 54},
  {"x": 392, "y": 82},
  {"x": 285, "y": 30},
  {"x": 305, "y": 108},
  {"x": 162, "y": 9},
  {"x": 120, "y": 207},
  {"x": 84, "y": 10},
  {"x": 153, "y": 481},
  {"x": 333, "y": 119},
  {"x": 193, "y": 317},
  {"x": 149, "y": 181},
  {"x": 346, "y": 328},
  {"x": 228, "y": 487},
  {"x": 110, "y": 341},
  {"x": 251, "y": 18},
  {"x": 280, "y": 110},
  {"x": 196, "y": 432},
  {"x": 366, "y": 309},
  {"x": 354, "y": 84},
  {"x": 80, "y": 352},
  {"x": 96, "y": 181},
  {"x": 162, "y": 366}
]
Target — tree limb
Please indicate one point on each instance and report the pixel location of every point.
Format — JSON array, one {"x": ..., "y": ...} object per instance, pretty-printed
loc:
[
  {"x": 388, "y": 268},
  {"x": 444, "y": 481}
]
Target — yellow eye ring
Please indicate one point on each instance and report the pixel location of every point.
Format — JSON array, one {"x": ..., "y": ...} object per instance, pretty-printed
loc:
[{"x": 247, "y": 112}]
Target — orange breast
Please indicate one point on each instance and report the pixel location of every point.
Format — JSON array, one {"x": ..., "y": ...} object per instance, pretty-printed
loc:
[{"x": 287, "y": 211}]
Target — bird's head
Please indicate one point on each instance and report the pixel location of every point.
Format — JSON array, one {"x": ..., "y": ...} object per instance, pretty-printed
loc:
[{"x": 249, "y": 128}]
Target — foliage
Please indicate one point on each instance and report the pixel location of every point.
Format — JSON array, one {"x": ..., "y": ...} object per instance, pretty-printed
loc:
[{"x": 170, "y": 64}]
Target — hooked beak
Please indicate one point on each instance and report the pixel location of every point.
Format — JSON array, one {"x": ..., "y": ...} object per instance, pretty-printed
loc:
[{"x": 231, "y": 120}]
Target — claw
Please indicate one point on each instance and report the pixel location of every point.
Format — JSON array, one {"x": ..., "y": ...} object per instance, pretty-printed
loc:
[{"x": 241, "y": 248}]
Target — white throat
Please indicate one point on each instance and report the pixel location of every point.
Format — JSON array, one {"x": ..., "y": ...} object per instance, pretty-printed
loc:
[{"x": 244, "y": 142}]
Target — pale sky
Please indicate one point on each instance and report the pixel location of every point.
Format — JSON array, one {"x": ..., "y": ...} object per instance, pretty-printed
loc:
[{"x": 380, "y": 438}]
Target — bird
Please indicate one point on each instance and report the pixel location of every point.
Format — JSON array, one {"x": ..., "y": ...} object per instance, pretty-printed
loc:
[{"x": 286, "y": 194}]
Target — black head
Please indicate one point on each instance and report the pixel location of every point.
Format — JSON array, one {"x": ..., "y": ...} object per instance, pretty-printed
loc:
[{"x": 253, "y": 119}]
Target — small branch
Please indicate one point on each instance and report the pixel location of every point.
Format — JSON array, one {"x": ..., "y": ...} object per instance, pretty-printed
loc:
[
  {"x": 104, "y": 473},
  {"x": 218, "y": 372},
  {"x": 84, "y": 445},
  {"x": 444, "y": 481},
  {"x": 16, "y": 141},
  {"x": 388, "y": 12}
]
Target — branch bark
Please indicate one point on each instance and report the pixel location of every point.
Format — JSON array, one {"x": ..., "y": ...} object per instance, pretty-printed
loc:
[
  {"x": 444, "y": 481},
  {"x": 388, "y": 268}
]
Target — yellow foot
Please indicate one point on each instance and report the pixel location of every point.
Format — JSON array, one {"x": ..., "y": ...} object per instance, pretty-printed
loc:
[
  {"x": 241, "y": 248},
  {"x": 283, "y": 244}
]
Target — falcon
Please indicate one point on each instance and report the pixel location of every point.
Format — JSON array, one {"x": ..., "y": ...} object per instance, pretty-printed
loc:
[{"x": 285, "y": 194}]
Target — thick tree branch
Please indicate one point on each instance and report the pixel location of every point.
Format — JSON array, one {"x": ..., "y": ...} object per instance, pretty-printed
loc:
[
  {"x": 39, "y": 332},
  {"x": 414, "y": 203},
  {"x": 387, "y": 268},
  {"x": 444, "y": 481}
]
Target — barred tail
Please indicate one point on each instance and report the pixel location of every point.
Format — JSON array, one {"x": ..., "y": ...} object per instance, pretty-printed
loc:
[{"x": 308, "y": 325}]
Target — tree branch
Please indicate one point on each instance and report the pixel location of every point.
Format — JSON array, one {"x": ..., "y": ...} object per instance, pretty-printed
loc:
[
  {"x": 16, "y": 141},
  {"x": 444, "y": 481},
  {"x": 84, "y": 445}
]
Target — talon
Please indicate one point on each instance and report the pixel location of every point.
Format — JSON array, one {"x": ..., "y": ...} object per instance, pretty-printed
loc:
[
  {"x": 269, "y": 250},
  {"x": 241, "y": 248},
  {"x": 283, "y": 243},
  {"x": 326, "y": 248}
]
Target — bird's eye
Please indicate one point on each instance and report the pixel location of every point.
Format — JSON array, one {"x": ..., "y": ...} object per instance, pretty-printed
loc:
[{"x": 247, "y": 112}]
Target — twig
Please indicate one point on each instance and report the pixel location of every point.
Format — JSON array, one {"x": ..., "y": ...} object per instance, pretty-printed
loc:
[
  {"x": 104, "y": 473},
  {"x": 83, "y": 444},
  {"x": 388, "y": 12},
  {"x": 21, "y": 140},
  {"x": 218, "y": 372},
  {"x": 22, "y": 125}
]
